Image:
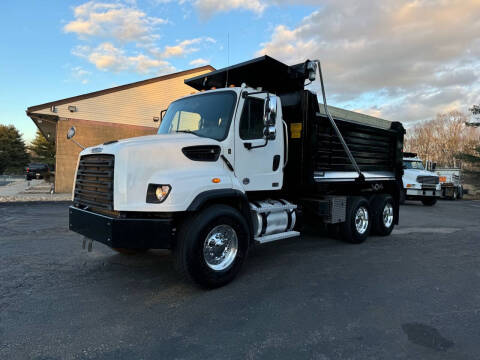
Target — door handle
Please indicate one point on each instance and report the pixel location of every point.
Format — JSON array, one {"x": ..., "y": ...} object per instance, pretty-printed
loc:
[{"x": 250, "y": 146}]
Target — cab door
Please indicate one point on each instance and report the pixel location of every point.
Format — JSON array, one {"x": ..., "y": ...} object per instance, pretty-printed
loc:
[{"x": 258, "y": 161}]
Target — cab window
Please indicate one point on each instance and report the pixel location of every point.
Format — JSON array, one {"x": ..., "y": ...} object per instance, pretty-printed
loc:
[
  {"x": 417, "y": 165},
  {"x": 185, "y": 120},
  {"x": 251, "y": 122}
]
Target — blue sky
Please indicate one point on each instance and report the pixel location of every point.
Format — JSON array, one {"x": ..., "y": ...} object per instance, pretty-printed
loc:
[{"x": 403, "y": 60}]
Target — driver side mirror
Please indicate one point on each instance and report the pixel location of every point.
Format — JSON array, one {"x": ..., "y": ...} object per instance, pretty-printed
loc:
[{"x": 269, "y": 116}]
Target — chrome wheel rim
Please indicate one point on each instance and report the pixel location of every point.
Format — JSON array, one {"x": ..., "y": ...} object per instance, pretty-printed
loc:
[
  {"x": 361, "y": 220},
  {"x": 220, "y": 247},
  {"x": 388, "y": 215}
]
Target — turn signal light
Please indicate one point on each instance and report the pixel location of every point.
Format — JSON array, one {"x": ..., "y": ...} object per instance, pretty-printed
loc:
[
  {"x": 409, "y": 185},
  {"x": 215, "y": 180}
]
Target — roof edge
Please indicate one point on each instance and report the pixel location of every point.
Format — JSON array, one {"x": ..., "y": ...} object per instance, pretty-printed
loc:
[{"x": 118, "y": 88}]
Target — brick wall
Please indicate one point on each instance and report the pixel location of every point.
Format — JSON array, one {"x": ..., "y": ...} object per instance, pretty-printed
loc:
[{"x": 88, "y": 133}]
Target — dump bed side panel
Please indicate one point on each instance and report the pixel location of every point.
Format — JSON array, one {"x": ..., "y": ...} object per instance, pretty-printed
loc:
[
  {"x": 315, "y": 152},
  {"x": 372, "y": 148}
]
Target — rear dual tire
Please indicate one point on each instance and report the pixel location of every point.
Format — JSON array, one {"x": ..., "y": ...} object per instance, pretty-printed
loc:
[
  {"x": 357, "y": 225},
  {"x": 363, "y": 218},
  {"x": 384, "y": 217}
]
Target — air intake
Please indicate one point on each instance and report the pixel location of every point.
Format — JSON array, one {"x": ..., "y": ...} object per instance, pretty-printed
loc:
[{"x": 202, "y": 152}]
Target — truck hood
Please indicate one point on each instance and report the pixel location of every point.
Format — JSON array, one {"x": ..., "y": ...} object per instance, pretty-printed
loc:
[
  {"x": 150, "y": 140},
  {"x": 417, "y": 172},
  {"x": 410, "y": 177},
  {"x": 158, "y": 159}
]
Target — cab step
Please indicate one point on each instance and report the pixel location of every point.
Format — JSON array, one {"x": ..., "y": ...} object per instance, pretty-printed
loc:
[{"x": 275, "y": 237}]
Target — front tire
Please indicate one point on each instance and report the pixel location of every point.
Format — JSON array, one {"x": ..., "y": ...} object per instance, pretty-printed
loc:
[
  {"x": 356, "y": 227},
  {"x": 212, "y": 246},
  {"x": 429, "y": 201},
  {"x": 383, "y": 220}
]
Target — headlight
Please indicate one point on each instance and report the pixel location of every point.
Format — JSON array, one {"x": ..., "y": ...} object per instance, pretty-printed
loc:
[{"x": 157, "y": 193}]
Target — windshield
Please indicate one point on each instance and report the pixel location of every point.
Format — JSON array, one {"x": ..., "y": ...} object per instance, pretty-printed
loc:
[
  {"x": 207, "y": 115},
  {"x": 417, "y": 165}
]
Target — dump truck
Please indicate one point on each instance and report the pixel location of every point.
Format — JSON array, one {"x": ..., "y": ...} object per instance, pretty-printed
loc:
[
  {"x": 246, "y": 160},
  {"x": 419, "y": 183}
]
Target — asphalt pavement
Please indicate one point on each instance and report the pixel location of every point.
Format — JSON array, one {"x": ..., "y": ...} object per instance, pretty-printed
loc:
[{"x": 412, "y": 295}]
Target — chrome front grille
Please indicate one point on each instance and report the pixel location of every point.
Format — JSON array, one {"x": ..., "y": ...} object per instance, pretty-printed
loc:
[{"x": 94, "y": 182}]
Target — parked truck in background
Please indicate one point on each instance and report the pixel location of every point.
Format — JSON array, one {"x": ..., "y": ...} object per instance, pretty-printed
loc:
[
  {"x": 418, "y": 183},
  {"x": 36, "y": 171},
  {"x": 237, "y": 164},
  {"x": 450, "y": 182}
]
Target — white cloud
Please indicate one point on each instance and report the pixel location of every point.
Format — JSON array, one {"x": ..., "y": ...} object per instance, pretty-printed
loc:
[
  {"x": 124, "y": 23},
  {"x": 207, "y": 8},
  {"x": 404, "y": 60},
  {"x": 108, "y": 57},
  {"x": 121, "y": 37},
  {"x": 184, "y": 47},
  {"x": 199, "y": 62},
  {"x": 80, "y": 74}
]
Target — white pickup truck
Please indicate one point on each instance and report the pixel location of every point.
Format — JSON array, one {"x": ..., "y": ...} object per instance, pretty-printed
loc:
[{"x": 418, "y": 183}]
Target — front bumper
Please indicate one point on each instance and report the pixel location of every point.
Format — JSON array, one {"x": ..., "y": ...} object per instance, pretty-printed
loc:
[
  {"x": 421, "y": 193},
  {"x": 122, "y": 233}
]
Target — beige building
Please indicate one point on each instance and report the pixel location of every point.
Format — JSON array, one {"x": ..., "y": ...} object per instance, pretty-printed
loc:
[{"x": 111, "y": 114}]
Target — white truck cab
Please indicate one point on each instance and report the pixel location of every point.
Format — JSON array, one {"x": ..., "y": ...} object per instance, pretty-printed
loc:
[
  {"x": 418, "y": 183},
  {"x": 235, "y": 166},
  {"x": 195, "y": 151}
]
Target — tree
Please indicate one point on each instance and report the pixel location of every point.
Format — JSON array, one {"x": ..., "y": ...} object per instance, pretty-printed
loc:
[
  {"x": 13, "y": 154},
  {"x": 42, "y": 149},
  {"x": 442, "y": 140},
  {"x": 472, "y": 157}
]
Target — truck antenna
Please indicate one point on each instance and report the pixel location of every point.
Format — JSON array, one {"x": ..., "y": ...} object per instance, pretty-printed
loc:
[{"x": 228, "y": 57}]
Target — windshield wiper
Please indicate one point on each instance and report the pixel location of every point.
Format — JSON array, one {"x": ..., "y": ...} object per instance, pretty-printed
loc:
[{"x": 187, "y": 132}]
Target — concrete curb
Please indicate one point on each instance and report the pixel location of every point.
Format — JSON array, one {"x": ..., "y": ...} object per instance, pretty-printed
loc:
[{"x": 35, "y": 202}]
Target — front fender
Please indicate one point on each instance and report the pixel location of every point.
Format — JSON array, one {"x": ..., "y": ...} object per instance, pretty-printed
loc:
[{"x": 186, "y": 185}]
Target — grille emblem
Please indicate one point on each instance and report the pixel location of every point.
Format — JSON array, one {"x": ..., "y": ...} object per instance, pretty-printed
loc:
[{"x": 97, "y": 150}]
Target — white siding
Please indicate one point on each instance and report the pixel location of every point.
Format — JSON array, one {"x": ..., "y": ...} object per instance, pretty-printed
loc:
[{"x": 135, "y": 106}]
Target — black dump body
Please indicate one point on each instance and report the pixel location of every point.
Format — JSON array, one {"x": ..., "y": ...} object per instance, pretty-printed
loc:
[
  {"x": 314, "y": 148},
  {"x": 317, "y": 150}
]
